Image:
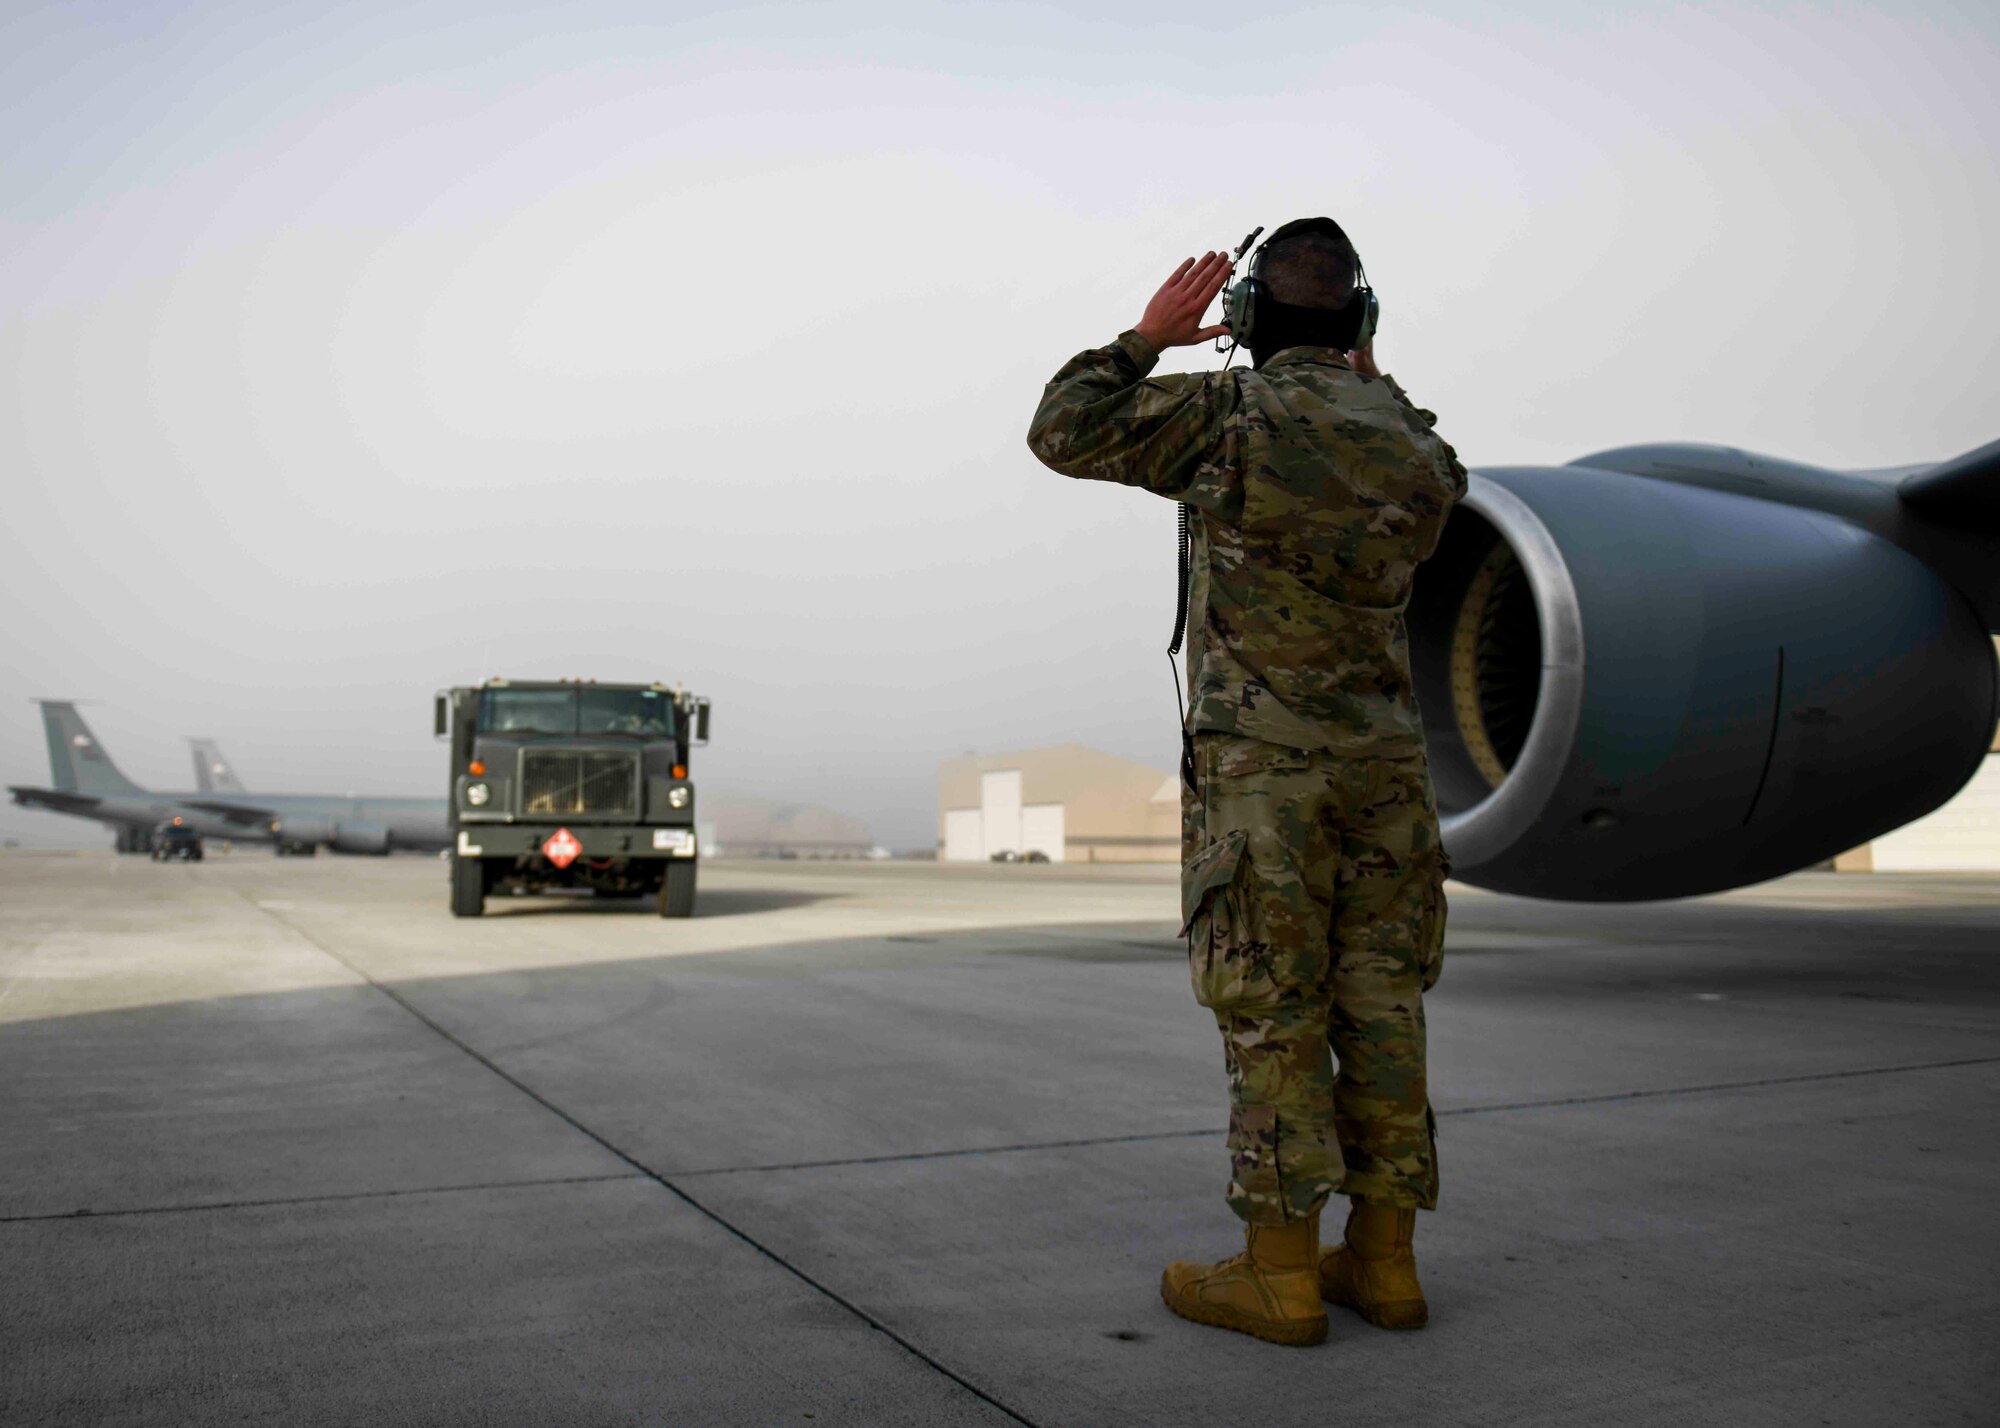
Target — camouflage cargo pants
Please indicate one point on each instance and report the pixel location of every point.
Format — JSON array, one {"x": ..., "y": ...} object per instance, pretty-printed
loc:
[{"x": 1313, "y": 904}]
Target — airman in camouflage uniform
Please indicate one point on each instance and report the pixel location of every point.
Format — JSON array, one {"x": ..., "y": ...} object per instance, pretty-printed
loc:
[{"x": 1312, "y": 872}]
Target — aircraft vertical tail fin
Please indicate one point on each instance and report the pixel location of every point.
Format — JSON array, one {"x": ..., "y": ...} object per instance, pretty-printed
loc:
[
  {"x": 77, "y": 762},
  {"x": 212, "y": 773}
]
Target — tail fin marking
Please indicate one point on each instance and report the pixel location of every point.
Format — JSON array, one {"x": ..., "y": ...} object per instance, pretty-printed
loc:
[
  {"x": 77, "y": 762},
  {"x": 212, "y": 773}
]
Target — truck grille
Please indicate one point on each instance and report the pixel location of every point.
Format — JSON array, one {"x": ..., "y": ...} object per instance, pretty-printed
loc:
[{"x": 560, "y": 782}]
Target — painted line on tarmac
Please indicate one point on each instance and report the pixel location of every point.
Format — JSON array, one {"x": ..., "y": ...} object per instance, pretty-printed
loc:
[
  {"x": 651, "y": 1174},
  {"x": 89, "y": 1214},
  {"x": 1216, "y": 1131}
]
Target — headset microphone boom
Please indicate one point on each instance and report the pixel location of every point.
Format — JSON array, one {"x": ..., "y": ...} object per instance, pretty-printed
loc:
[{"x": 1242, "y": 299}]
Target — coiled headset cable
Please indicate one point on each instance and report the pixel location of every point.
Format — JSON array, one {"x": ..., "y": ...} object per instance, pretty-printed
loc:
[{"x": 1174, "y": 647}]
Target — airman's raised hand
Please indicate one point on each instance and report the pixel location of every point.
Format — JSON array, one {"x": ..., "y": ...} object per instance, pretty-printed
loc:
[{"x": 1173, "y": 317}]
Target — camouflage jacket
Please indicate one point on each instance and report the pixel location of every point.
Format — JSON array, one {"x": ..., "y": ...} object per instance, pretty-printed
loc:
[{"x": 1317, "y": 493}]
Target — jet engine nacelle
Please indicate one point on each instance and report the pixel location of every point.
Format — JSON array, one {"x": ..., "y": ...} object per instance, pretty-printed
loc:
[
  {"x": 343, "y": 835},
  {"x": 356, "y": 837},
  {"x": 1635, "y": 689},
  {"x": 305, "y": 832}
]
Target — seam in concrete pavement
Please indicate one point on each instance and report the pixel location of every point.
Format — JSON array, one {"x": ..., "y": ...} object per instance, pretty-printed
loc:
[
  {"x": 1079, "y": 1143},
  {"x": 1458, "y": 1111},
  {"x": 1719, "y": 1086},
  {"x": 960, "y": 1153},
  {"x": 87, "y": 1214},
  {"x": 648, "y": 1172}
]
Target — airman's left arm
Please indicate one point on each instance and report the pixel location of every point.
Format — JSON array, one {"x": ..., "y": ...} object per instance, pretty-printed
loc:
[{"x": 1362, "y": 360}]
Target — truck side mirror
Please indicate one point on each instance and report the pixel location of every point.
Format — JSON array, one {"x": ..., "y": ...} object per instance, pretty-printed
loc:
[
  {"x": 701, "y": 721},
  {"x": 443, "y": 719}
]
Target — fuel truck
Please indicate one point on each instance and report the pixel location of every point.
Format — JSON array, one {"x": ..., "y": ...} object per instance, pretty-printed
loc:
[{"x": 571, "y": 784}]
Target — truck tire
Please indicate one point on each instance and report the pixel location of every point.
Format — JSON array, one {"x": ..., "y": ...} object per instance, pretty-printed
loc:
[
  {"x": 468, "y": 887},
  {"x": 677, "y": 889}
]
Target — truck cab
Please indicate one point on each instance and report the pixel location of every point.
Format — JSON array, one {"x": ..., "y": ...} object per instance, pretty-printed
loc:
[
  {"x": 572, "y": 784},
  {"x": 174, "y": 840}
]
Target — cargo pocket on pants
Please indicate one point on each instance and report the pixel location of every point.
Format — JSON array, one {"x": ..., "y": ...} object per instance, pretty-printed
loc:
[
  {"x": 1430, "y": 937},
  {"x": 1221, "y": 963}
]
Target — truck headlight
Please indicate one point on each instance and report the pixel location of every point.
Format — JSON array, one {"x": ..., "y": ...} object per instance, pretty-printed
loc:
[
  {"x": 677, "y": 797},
  {"x": 476, "y": 794}
]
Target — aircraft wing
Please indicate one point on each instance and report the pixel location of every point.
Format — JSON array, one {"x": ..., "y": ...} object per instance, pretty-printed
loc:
[
  {"x": 55, "y": 799},
  {"x": 241, "y": 814}
]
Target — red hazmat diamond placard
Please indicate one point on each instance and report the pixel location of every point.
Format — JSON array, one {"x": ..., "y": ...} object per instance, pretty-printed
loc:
[{"x": 562, "y": 849}]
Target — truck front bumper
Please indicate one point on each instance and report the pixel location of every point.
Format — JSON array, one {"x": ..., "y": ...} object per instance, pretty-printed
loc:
[{"x": 521, "y": 840}]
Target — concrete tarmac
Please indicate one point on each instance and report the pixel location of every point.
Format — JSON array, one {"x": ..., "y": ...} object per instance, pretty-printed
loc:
[{"x": 907, "y": 1144}]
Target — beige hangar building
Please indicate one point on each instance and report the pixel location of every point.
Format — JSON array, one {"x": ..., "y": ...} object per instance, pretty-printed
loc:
[
  {"x": 1963, "y": 836},
  {"x": 1077, "y": 805},
  {"x": 1068, "y": 803}
]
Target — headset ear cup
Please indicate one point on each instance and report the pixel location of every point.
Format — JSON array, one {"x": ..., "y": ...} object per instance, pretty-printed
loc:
[
  {"x": 1371, "y": 316},
  {"x": 1240, "y": 310}
]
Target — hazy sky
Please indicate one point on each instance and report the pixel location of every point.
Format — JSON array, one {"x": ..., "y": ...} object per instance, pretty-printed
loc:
[{"x": 351, "y": 351}]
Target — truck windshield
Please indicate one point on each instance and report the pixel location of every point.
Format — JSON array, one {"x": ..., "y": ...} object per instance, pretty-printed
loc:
[
  {"x": 625, "y": 711},
  {"x": 648, "y": 713}
]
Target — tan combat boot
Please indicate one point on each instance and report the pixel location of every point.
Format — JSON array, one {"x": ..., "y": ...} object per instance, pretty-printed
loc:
[
  {"x": 1375, "y": 1272},
  {"x": 1271, "y": 1290}
]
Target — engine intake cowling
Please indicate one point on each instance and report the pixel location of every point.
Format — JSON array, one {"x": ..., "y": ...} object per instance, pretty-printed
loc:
[{"x": 1634, "y": 689}]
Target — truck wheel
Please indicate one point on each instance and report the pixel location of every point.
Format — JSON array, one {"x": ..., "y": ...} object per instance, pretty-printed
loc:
[
  {"x": 677, "y": 889},
  {"x": 468, "y": 887}
]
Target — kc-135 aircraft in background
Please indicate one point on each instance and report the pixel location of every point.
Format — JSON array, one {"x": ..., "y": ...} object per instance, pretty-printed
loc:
[{"x": 88, "y": 785}]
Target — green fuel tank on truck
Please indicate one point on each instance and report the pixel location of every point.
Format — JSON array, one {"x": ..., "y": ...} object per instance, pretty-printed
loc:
[{"x": 572, "y": 784}]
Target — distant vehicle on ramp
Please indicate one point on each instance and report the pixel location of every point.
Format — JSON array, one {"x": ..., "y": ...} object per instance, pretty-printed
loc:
[
  {"x": 572, "y": 784},
  {"x": 175, "y": 840},
  {"x": 85, "y": 783}
]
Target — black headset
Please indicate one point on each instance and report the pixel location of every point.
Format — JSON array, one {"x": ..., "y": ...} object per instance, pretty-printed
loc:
[{"x": 1242, "y": 298}]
